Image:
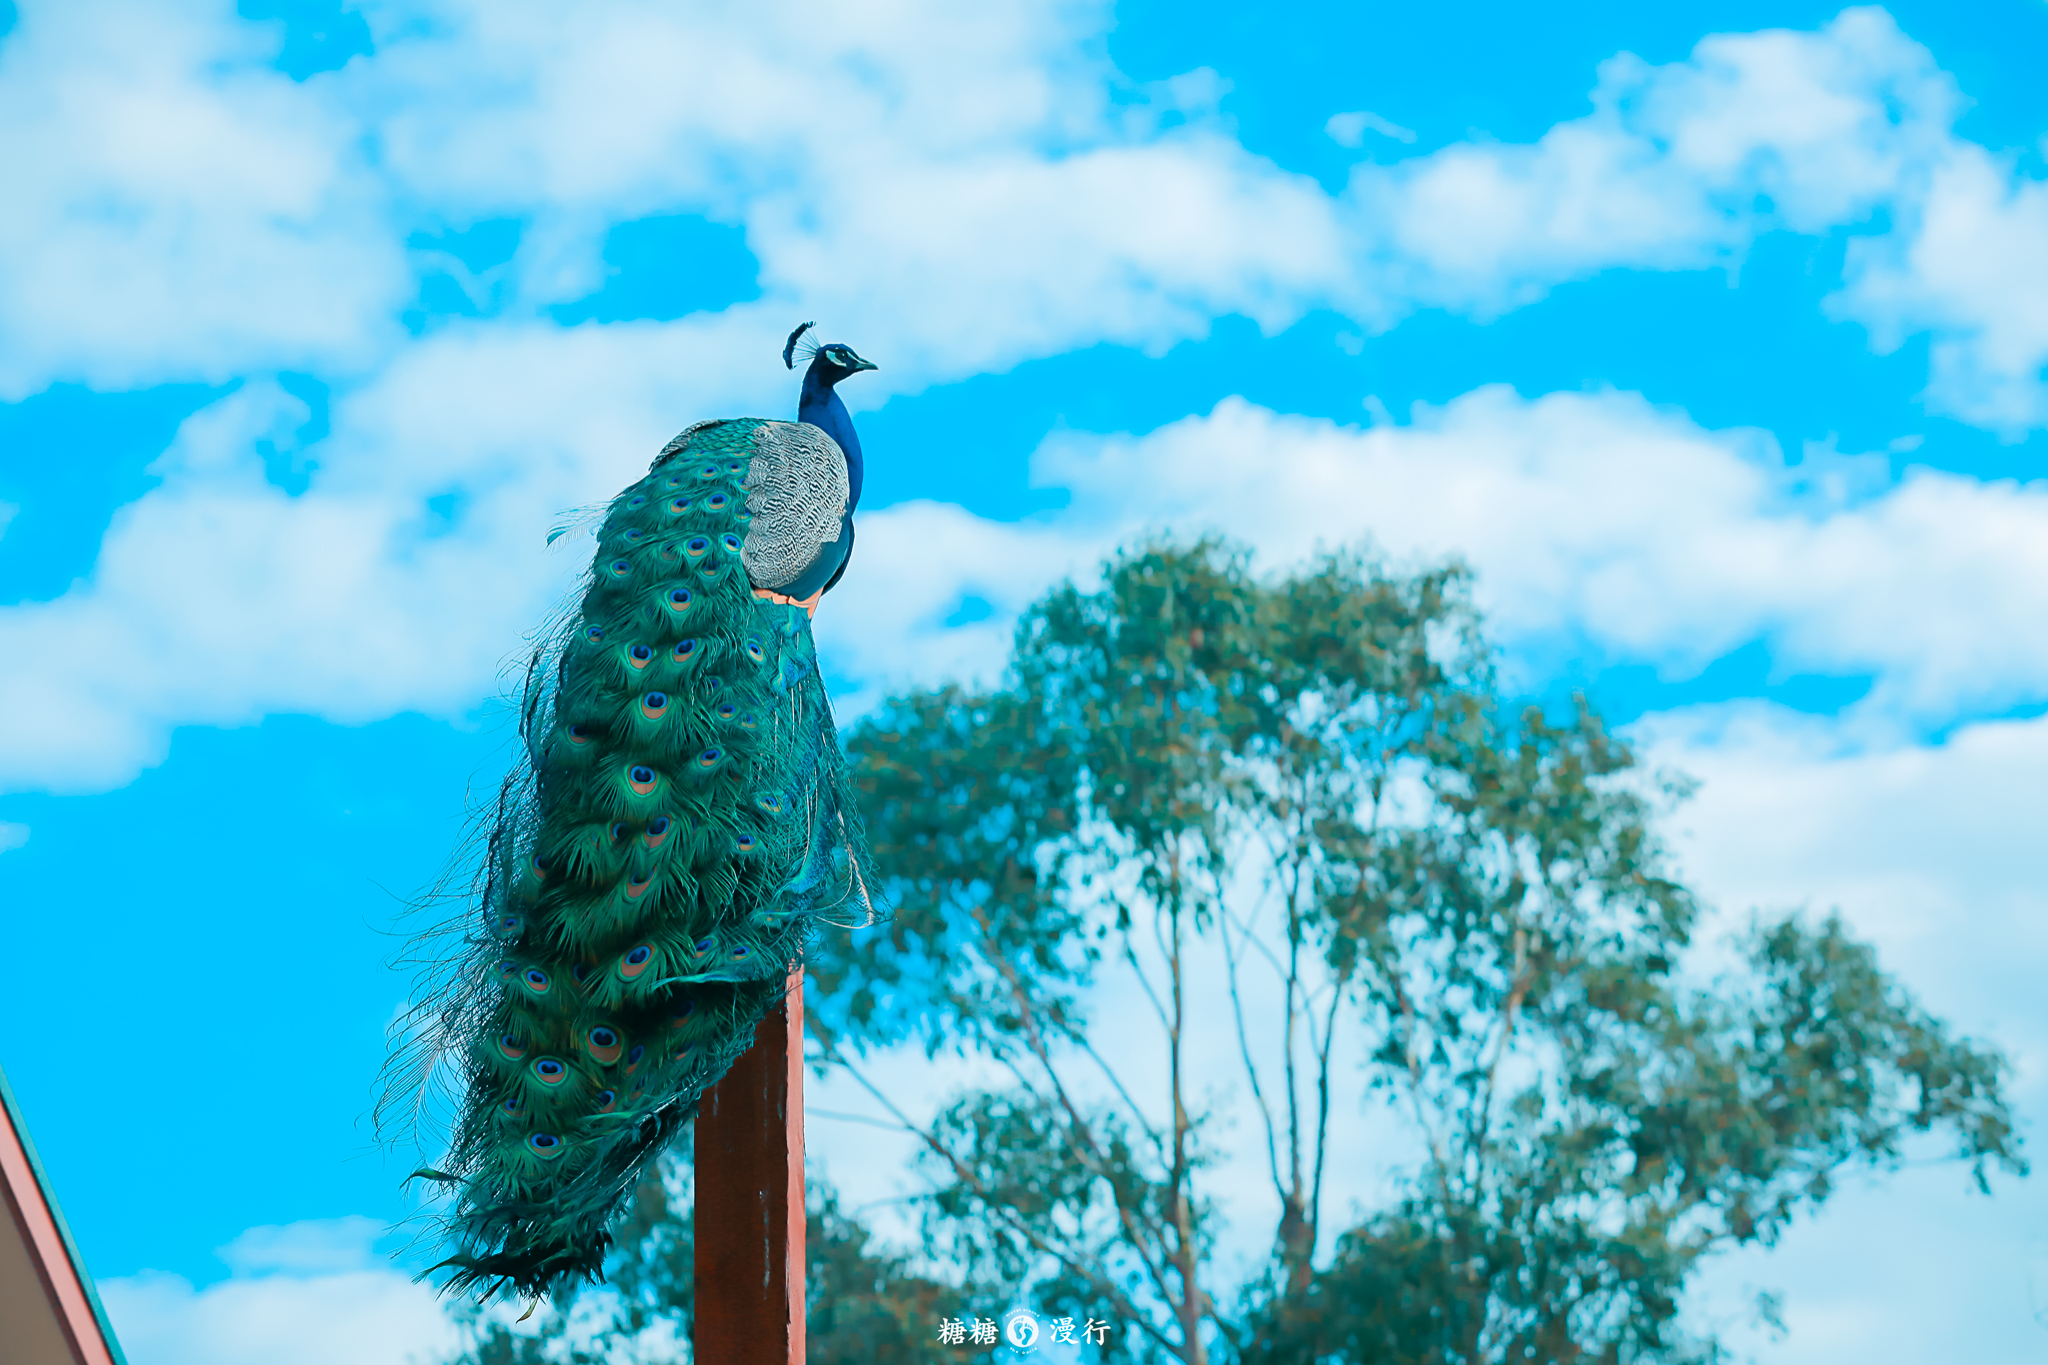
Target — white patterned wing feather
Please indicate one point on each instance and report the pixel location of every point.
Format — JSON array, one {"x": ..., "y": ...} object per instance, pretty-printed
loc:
[{"x": 797, "y": 490}]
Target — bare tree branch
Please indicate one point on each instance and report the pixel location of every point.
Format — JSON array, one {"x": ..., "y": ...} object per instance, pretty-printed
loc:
[
  {"x": 1244, "y": 1049},
  {"x": 1097, "y": 1278}
]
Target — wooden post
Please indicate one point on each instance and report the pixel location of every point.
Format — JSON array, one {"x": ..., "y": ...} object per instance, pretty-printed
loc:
[{"x": 750, "y": 1200}]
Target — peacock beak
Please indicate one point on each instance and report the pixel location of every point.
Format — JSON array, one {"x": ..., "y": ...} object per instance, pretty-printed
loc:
[{"x": 859, "y": 365}]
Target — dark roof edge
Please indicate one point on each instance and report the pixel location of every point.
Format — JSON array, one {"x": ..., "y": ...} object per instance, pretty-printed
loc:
[{"x": 100, "y": 1324}]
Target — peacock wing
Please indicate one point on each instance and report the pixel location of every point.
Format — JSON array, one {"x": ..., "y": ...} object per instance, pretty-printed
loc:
[{"x": 797, "y": 490}]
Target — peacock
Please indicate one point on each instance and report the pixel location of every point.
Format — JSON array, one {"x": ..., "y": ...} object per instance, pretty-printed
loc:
[{"x": 680, "y": 821}]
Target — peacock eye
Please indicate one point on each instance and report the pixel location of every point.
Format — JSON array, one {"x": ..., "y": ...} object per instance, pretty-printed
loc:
[
  {"x": 641, "y": 653},
  {"x": 679, "y": 597},
  {"x": 638, "y": 955},
  {"x": 658, "y": 826},
  {"x": 618, "y": 830},
  {"x": 594, "y": 634},
  {"x": 642, "y": 773},
  {"x": 545, "y": 1145}
]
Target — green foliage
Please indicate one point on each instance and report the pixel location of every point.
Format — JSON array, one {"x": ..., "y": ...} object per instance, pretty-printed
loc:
[
  {"x": 1317, "y": 777},
  {"x": 1672, "y": 1123},
  {"x": 864, "y": 1304}
]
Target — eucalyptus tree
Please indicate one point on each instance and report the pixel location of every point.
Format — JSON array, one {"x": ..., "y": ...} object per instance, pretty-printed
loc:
[{"x": 1310, "y": 789}]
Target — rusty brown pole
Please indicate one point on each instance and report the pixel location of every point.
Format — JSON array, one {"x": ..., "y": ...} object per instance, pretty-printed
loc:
[{"x": 750, "y": 1200}]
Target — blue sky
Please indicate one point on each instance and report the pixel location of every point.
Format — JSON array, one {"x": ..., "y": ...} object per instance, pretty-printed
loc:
[{"x": 1712, "y": 335}]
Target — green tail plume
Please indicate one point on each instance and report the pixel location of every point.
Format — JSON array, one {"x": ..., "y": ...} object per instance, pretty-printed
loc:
[{"x": 681, "y": 822}]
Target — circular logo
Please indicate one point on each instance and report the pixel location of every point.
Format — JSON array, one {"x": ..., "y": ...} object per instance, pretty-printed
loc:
[{"x": 1020, "y": 1329}]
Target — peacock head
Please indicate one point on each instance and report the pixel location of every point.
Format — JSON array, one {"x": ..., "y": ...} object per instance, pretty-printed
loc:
[{"x": 830, "y": 362}]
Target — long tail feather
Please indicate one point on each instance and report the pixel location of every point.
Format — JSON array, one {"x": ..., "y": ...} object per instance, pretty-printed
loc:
[{"x": 681, "y": 820}]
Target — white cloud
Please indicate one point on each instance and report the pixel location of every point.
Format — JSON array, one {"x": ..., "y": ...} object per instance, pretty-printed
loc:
[
  {"x": 1349, "y": 129},
  {"x": 1589, "y": 517},
  {"x": 229, "y": 599},
  {"x": 918, "y": 562},
  {"x": 315, "y": 1247},
  {"x": 1929, "y": 849},
  {"x": 308, "y": 1293},
  {"x": 176, "y": 209},
  {"x": 1932, "y": 852},
  {"x": 1601, "y": 518},
  {"x": 1668, "y": 170},
  {"x": 1969, "y": 263},
  {"x": 954, "y": 183},
  {"x": 951, "y": 182}
]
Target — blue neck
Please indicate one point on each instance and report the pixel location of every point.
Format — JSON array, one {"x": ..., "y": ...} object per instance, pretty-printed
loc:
[{"x": 822, "y": 409}]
